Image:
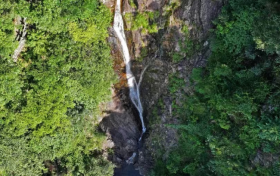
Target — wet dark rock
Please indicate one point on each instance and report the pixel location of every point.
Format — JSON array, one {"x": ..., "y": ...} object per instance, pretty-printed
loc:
[{"x": 122, "y": 129}]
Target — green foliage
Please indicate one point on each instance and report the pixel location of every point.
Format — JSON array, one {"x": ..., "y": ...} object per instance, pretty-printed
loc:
[
  {"x": 93, "y": 29},
  {"x": 49, "y": 98},
  {"x": 132, "y": 4},
  {"x": 54, "y": 16},
  {"x": 143, "y": 54},
  {"x": 187, "y": 46},
  {"x": 175, "y": 83},
  {"x": 233, "y": 112},
  {"x": 247, "y": 26},
  {"x": 169, "y": 8},
  {"x": 176, "y": 57},
  {"x": 7, "y": 28},
  {"x": 146, "y": 22}
]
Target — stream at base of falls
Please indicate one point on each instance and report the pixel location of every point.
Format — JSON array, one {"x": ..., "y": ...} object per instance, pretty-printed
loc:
[{"x": 126, "y": 170}]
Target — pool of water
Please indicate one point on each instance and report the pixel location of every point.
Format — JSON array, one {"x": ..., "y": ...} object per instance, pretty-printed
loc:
[{"x": 126, "y": 170}]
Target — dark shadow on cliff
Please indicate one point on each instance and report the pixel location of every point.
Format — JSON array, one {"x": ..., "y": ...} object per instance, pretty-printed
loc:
[{"x": 122, "y": 126}]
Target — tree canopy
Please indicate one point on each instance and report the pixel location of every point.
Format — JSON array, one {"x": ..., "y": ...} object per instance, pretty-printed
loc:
[
  {"x": 230, "y": 122},
  {"x": 49, "y": 98}
]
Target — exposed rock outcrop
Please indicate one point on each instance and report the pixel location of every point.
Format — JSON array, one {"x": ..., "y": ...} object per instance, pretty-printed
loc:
[{"x": 197, "y": 16}]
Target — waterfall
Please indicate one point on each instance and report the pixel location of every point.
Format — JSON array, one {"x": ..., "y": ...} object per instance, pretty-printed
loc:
[{"x": 133, "y": 86}]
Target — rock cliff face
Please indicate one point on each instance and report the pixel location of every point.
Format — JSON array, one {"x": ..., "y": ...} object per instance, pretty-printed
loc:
[
  {"x": 177, "y": 21},
  {"x": 174, "y": 15}
]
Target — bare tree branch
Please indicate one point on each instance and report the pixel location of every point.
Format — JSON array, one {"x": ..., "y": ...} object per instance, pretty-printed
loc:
[
  {"x": 21, "y": 42},
  {"x": 143, "y": 71}
]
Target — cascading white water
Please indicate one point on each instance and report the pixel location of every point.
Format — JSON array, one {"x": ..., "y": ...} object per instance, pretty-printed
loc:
[{"x": 133, "y": 86}]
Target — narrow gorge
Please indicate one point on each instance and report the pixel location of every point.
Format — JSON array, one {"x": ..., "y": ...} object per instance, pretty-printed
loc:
[
  {"x": 134, "y": 92},
  {"x": 149, "y": 56}
]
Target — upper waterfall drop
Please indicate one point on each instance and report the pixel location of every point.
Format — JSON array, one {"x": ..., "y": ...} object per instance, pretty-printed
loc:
[{"x": 134, "y": 92}]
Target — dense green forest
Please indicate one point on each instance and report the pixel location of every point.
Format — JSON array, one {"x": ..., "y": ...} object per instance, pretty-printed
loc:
[
  {"x": 51, "y": 91},
  {"x": 49, "y": 94},
  {"x": 230, "y": 123}
]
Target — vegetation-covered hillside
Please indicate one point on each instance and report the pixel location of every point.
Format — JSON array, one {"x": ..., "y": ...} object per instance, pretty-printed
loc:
[
  {"x": 230, "y": 122},
  {"x": 55, "y": 70},
  {"x": 50, "y": 92}
]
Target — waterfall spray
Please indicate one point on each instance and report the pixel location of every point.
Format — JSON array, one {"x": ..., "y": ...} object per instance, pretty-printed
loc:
[{"x": 134, "y": 92}]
